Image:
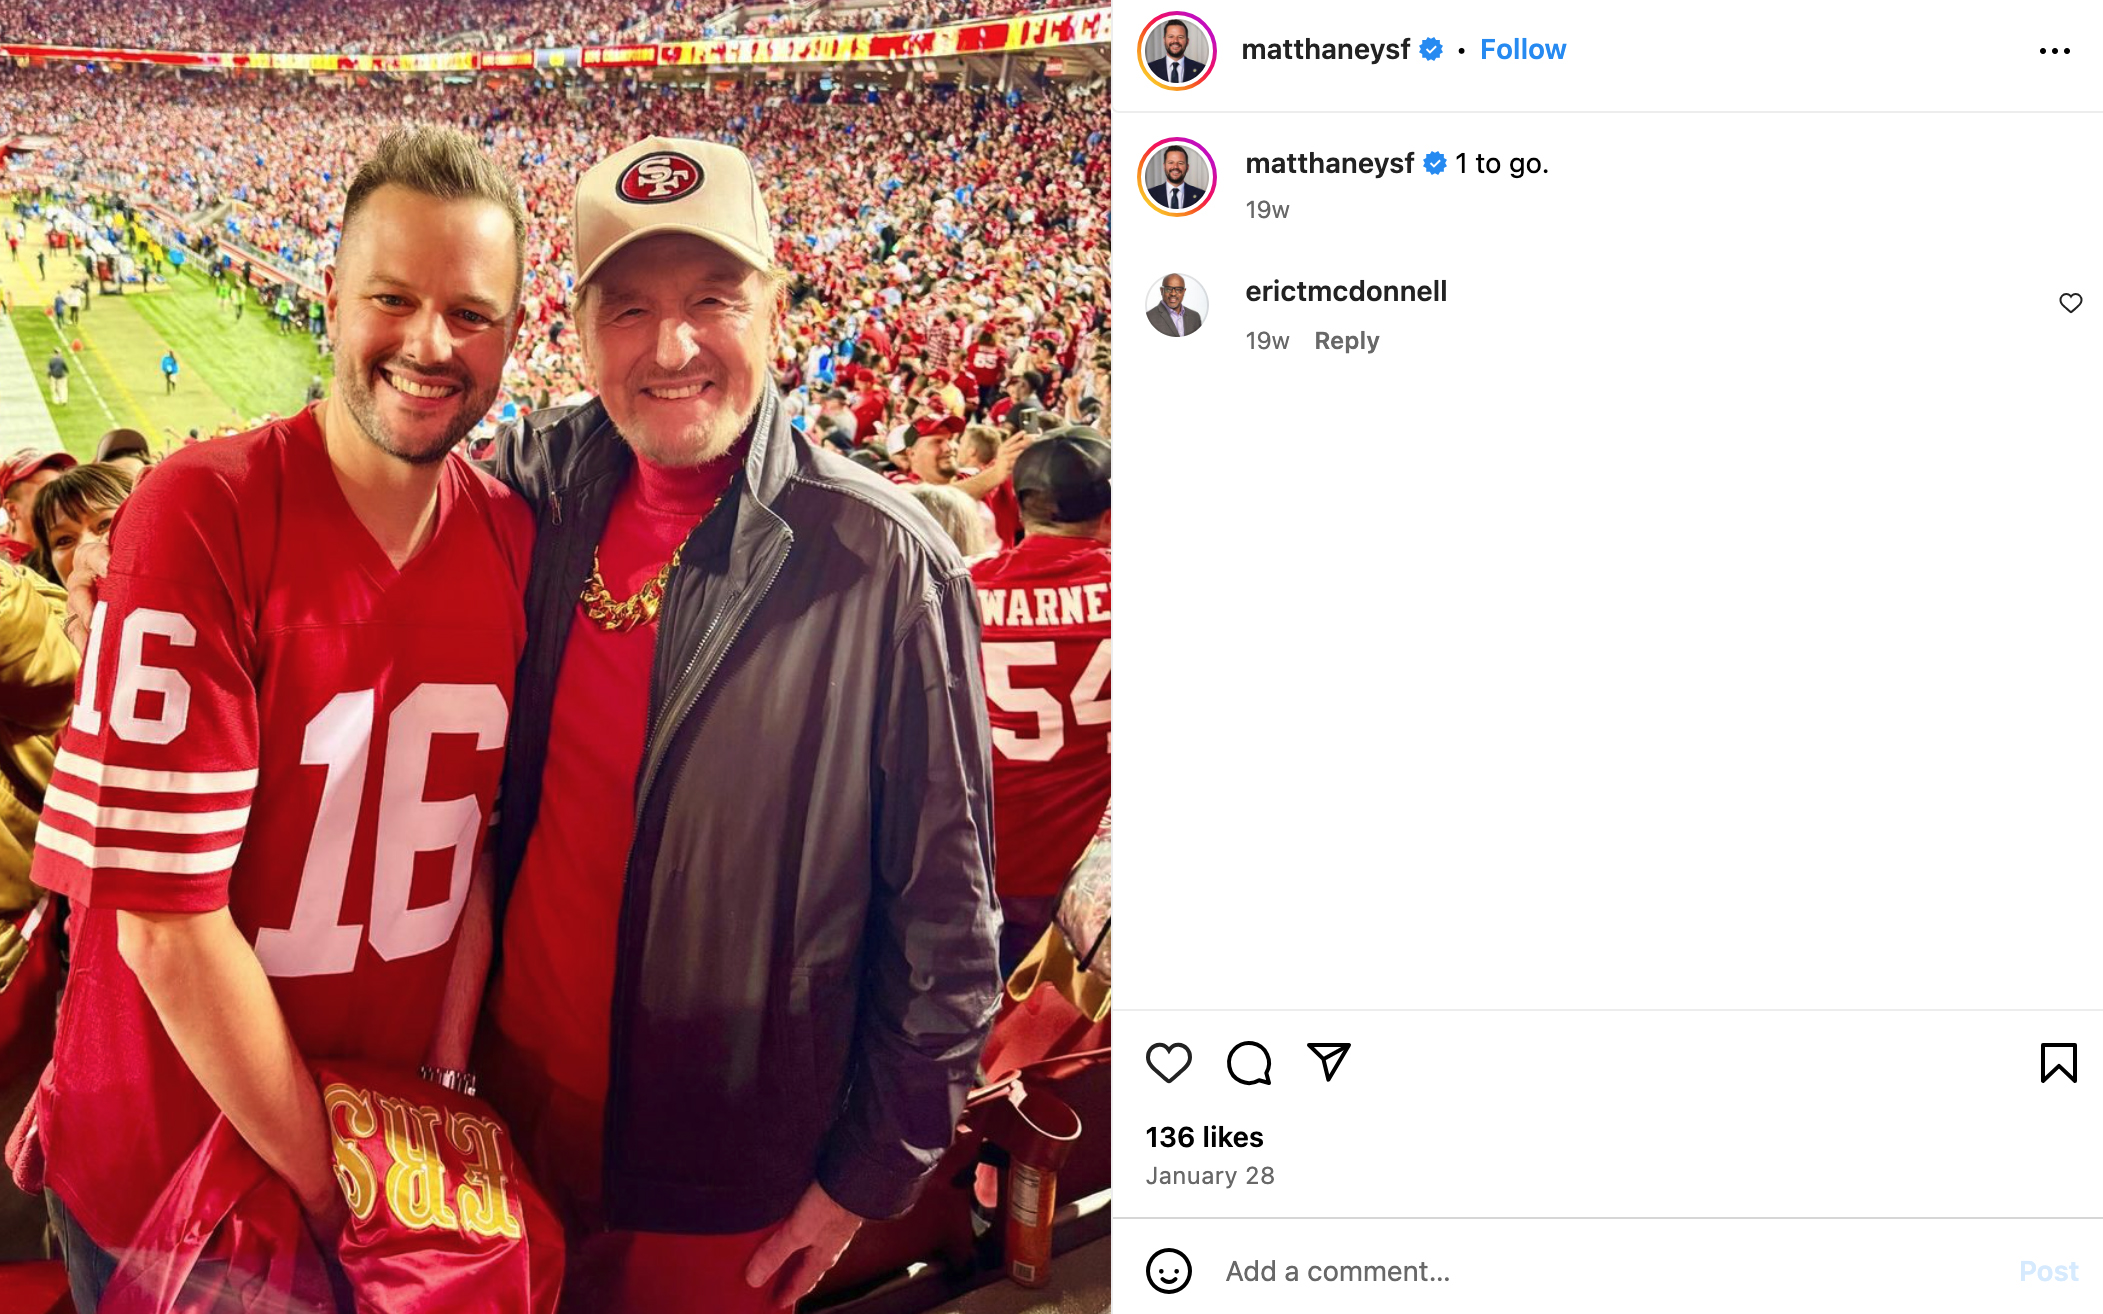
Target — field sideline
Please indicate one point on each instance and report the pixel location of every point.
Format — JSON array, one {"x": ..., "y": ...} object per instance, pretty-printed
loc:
[{"x": 231, "y": 372}]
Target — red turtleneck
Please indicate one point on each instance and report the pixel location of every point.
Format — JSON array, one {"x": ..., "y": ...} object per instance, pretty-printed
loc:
[{"x": 551, "y": 1001}]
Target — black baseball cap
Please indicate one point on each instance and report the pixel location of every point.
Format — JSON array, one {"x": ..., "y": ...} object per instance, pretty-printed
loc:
[{"x": 1071, "y": 470}]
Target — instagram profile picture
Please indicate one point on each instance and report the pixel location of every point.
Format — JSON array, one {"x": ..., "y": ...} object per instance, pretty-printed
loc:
[
  {"x": 1176, "y": 175},
  {"x": 1175, "y": 50},
  {"x": 1176, "y": 306}
]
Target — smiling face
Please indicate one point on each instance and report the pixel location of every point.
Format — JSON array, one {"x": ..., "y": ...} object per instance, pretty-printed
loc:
[
  {"x": 70, "y": 533},
  {"x": 676, "y": 337},
  {"x": 935, "y": 458},
  {"x": 422, "y": 308},
  {"x": 1175, "y": 162},
  {"x": 1172, "y": 291},
  {"x": 1176, "y": 38},
  {"x": 1168, "y": 1271}
]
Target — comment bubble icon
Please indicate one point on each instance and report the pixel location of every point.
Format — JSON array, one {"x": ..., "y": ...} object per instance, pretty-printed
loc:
[{"x": 1250, "y": 1064}]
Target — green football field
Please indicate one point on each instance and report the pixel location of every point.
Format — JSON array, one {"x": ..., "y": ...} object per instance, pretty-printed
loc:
[{"x": 229, "y": 371}]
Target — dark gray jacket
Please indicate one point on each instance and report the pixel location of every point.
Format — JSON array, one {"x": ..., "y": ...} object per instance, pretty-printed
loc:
[
  {"x": 807, "y": 961},
  {"x": 1163, "y": 323}
]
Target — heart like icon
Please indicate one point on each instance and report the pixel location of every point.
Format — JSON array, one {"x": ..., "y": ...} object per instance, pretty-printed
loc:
[
  {"x": 1168, "y": 1061},
  {"x": 2071, "y": 300}
]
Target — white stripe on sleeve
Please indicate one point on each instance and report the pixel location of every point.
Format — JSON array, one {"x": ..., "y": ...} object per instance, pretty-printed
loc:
[
  {"x": 60, "y": 799},
  {"x": 176, "y": 864},
  {"x": 163, "y": 782}
]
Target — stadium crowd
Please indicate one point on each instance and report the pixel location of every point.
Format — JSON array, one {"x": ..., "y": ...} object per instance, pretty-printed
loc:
[
  {"x": 945, "y": 323},
  {"x": 909, "y": 219},
  {"x": 327, "y": 26},
  {"x": 907, "y": 16}
]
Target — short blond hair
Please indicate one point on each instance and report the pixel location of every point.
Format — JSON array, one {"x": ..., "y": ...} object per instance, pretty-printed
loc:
[
  {"x": 445, "y": 163},
  {"x": 984, "y": 441},
  {"x": 957, "y": 514}
]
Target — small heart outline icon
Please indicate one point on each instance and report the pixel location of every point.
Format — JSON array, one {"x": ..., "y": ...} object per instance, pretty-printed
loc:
[
  {"x": 2071, "y": 300},
  {"x": 1166, "y": 1072}
]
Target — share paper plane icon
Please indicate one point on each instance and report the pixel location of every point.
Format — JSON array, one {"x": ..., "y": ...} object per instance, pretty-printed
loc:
[{"x": 1331, "y": 1055}]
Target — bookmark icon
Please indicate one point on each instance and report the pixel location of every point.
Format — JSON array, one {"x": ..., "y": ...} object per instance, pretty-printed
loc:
[{"x": 2059, "y": 1060}]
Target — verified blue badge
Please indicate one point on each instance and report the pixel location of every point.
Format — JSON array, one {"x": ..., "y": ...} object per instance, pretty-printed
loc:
[
  {"x": 1434, "y": 162},
  {"x": 1432, "y": 48}
]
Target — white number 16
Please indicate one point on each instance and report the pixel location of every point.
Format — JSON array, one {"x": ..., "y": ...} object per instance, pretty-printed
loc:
[
  {"x": 339, "y": 739},
  {"x": 319, "y": 943}
]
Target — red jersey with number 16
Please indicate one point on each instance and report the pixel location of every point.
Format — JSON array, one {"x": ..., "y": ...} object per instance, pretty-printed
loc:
[
  {"x": 271, "y": 719},
  {"x": 1045, "y": 608}
]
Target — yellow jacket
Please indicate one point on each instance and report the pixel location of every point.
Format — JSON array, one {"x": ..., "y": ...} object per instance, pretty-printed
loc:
[{"x": 37, "y": 668}]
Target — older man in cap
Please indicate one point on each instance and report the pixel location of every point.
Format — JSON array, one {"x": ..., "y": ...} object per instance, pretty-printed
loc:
[
  {"x": 748, "y": 938},
  {"x": 21, "y": 479}
]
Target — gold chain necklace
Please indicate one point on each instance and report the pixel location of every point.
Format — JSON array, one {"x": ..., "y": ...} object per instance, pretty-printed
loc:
[{"x": 615, "y": 615}]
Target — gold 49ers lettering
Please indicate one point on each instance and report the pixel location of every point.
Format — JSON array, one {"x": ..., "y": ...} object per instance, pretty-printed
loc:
[
  {"x": 485, "y": 1203},
  {"x": 416, "y": 1187},
  {"x": 416, "y": 1178},
  {"x": 350, "y": 1111}
]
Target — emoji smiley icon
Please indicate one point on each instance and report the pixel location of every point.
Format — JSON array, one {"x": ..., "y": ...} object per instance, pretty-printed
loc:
[{"x": 1168, "y": 1270}]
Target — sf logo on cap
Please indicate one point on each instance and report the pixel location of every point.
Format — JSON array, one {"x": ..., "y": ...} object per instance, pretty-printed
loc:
[{"x": 659, "y": 176}]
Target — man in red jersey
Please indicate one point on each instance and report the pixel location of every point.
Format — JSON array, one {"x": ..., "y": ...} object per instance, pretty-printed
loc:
[
  {"x": 1046, "y": 610},
  {"x": 868, "y": 406},
  {"x": 289, "y": 732}
]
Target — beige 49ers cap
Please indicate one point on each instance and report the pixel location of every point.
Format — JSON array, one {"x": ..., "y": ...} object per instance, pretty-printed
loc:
[{"x": 671, "y": 185}]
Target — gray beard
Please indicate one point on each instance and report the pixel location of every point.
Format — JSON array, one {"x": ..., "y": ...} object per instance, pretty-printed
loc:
[{"x": 715, "y": 440}]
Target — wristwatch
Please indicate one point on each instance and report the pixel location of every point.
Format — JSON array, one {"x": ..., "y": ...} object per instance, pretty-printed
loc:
[{"x": 460, "y": 1083}]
